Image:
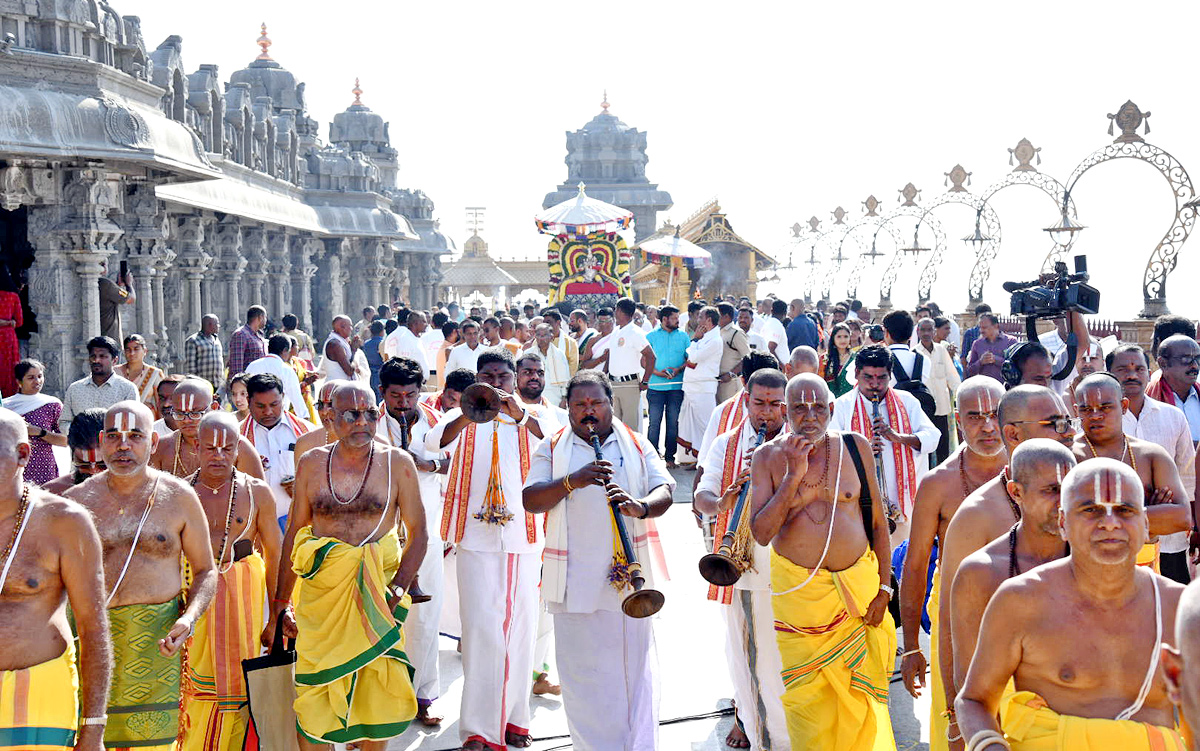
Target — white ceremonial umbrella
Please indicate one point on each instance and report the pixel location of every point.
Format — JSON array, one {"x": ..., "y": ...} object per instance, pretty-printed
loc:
[
  {"x": 582, "y": 215},
  {"x": 669, "y": 247}
]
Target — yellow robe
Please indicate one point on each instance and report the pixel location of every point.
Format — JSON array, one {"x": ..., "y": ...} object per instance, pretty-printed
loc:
[
  {"x": 215, "y": 711},
  {"x": 1029, "y": 725},
  {"x": 353, "y": 680},
  {"x": 39, "y": 705},
  {"x": 938, "y": 723},
  {"x": 836, "y": 668}
]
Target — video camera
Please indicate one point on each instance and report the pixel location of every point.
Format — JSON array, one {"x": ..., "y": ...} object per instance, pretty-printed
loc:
[{"x": 1051, "y": 296}]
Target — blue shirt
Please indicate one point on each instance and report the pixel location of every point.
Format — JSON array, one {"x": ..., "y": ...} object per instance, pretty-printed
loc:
[
  {"x": 802, "y": 331},
  {"x": 670, "y": 351},
  {"x": 371, "y": 349}
]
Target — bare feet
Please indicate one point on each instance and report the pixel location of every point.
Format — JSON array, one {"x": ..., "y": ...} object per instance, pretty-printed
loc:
[
  {"x": 737, "y": 737},
  {"x": 474, "y": 745},
  {"x": 517, "y": 740},
  {"x": 543, "y": 686},
  {"x": 425, "y": 718}
]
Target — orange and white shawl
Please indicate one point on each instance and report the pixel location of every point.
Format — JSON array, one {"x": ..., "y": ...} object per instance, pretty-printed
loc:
[
  {"x": 731, "y": 466},
  {"x": 903, "y": 456},
  {"x": 646, "y": 544},
  {"x": 299, "y": 427},
  {"x": 458, "y": 490}
]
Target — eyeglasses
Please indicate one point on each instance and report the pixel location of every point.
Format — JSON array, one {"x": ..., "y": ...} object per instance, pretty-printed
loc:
[
  {"x": 354, "y": 415},
  {"x": 1188, "y": 360},
  {"x": 1062, "y": 425},
  {"x": 91, "y": 466},
  {"x": 181, "y": 414}
]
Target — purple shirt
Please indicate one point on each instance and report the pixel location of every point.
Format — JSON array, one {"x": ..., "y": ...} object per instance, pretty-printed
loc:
[
  {"x": 245, "y": 346},
  {"x": 981, "y": 345}
]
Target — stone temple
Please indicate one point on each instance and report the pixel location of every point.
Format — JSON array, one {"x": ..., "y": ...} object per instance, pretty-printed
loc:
[{"x": 218, "y": 195}]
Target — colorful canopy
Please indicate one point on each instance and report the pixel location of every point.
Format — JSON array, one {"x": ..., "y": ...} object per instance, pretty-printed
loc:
[
  {"x": 658, "y": 249},
  {"x": 581, "y": 215}
]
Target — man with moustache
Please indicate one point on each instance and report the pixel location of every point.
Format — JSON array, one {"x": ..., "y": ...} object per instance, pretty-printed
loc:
[
  {"x": 324, "y": 406},
  {"x": 147, "y": 520},
  {"x": 1095, "y": 685},
  {"x": 1038, "y": 467},
  {"x": 274, "y": 433},
  {"x": 1162, "y": 424},
  {"x": 664, "y": 394},
  {"x": 568, "y": 346},
  {"x": 466, "y": 355},
  {"x": 606, "y": 659},
  {"x": 179, "y": 452},
  {"x": 240, "y": 511},
  {"x": 1179, "y": 363},
  {"x": 581, "y": 332},
  {"x": 1025, "y": 413},
  {"x": 352, "y": 676},
  {"x": 54, "y": 558},
  {"x": 1100, "y": 406},
  {"x": 531, "y": 380},
  {"x": 941, "y": 492},
  {"x": 83, "y": 439},
  {"x": 837, "y": 641},
  {"x": 750, "y": 647},
  {"x": 101, "y": 388}
]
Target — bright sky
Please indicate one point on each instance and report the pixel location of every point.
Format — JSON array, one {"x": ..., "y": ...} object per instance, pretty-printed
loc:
[{"x": 782, "y": 111}]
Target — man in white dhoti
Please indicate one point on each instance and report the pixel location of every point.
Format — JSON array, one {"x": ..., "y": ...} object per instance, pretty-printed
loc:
[
  {"x": 750, "y": 646},
  {"x": 273, "y": 432},
  {"x": 902, "y": 435},
  {"x": 606, "y": 660},
  {"x": 405, "y": 424},
  {"x": 558, "y": 371},
  {"x": 699, "y": 384},
  {"x": 338, "y": 361},
  {"x": 499, "y": 558}
]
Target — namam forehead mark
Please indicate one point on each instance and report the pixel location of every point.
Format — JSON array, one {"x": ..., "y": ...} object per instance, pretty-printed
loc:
[
  {"x": 354, "y": 396},
  {"x": 91, "y": 456},
  {"x": 126, "y": 418},
  {"x": 220, "y": 436},
  {"x": 327, "y": 390},
  {"x": 808, "y": 390}
]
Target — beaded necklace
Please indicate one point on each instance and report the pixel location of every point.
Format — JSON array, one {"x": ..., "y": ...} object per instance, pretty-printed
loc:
[
  {"x": 361, "y": 483},
  {"x": 228, "y": 514}
]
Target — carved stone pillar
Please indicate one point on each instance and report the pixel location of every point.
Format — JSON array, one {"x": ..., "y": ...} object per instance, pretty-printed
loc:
[
  {"x": 53, "y": 292},
  {"x": 141, "y": 253},
  {"x": 192, "y": 261},
  {"x": 163, "y": 263},
  {"x": 278, "y": 292},
  {"x": 254, "y": 248},
  {"x": 229, "y": 266},
  {"x": 302, "y": 272}
]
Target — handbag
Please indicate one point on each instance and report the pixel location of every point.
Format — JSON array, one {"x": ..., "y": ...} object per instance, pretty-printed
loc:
[{"x": 271, "y": 688}]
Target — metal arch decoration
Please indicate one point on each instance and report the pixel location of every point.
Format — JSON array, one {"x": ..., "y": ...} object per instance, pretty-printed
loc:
[
  {"x": 835, "y": 261},
  {"x": 990, "y": 221},
  {"x": 879, "y": 222},
  {"x": 1129, "y": 145},
  {"x": 1024, "y": 174},
  {"x": 814, "y": 264},
  {"x": 893, "y": 268}
]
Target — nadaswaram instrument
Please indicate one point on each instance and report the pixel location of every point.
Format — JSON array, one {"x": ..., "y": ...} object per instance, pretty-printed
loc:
[
  {"x": 414, "y": 589},
  {"x": 720, "y": 568},
  {"x": 480, "y": 402},
  {"x": 642, "y": 602},
  {"x": 893, "y": 511}
]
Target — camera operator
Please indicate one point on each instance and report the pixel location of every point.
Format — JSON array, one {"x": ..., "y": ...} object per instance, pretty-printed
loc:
[{"x": 1064, "y": 298}]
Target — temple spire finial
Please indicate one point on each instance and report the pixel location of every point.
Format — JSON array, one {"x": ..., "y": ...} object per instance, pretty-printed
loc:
[
  {"x": 357, "y": 92},
  {"x": 604, "y": 105},
  {"x": 264, "y": 42}
]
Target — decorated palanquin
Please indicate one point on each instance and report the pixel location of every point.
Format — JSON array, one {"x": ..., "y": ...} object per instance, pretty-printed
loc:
[{"x": 589, "y": 271}]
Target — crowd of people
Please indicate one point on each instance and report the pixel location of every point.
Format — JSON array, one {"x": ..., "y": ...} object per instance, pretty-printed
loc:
[{"x": 496, "y": 476}]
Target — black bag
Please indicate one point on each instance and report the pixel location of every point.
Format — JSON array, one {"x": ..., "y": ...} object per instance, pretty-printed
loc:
[
  {"x": 914, "y": 385},
  {"x": 866, "y": 505}
]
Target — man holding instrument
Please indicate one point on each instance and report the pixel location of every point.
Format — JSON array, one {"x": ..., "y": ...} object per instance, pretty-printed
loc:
[
  {"x": 240, "y": 511},
  {"x": 404, "y": 424},
  {"x": 499, "y": 551},
  {"x": 750, "y": 646},
  {"x": 606, "y": 659},
  {"x": 147, "y": 520},
  {"x": 1095, "y": 684},
  {"x": 353, "y": 679},
  {"x": 828, "y": 576}
]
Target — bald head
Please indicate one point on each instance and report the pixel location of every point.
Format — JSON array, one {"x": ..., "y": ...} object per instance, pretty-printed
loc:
[
  {"x": 328, "y": 388},
  {"x": 1187, "y": 626},
  {"x": 351, "y": 395},
  {"x": 1105, "y": 482},
  {"x": 1176, "y": 346},
  {"x": 1034, "y": 457},
  {"x": 1103, "y": 383},
  {"x": 128, "y": 415},
  {"x": 804, "y": 359},
  {"x": 192, "y": 395},
  {"x": 1020, "y": 402},
  {"x": 12, "y": 430},
  {"x": 807, "y": 388},
  {"x": 218, "y": 420},
  {"x": 976, "y": 387}
]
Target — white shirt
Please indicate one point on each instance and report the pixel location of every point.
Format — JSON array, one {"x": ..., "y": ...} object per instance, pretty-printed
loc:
[
  {"x": 625, "y": 351},
  {"x": 706, "y": 353},
  {"x": 1165, "y": 425},
  {"x": 404, "y": 343},
  {"x": 293, "y": 397},
  {"x": 710, "y": 432},
  {"x": 943, "y": 376},
  {"x": 160, "y": 428},
  {"x": 428, "y": 483},
  {"x": 756, "y": 341},
  {"x": 277, "y": 448},
  {"x": 773, "y": 331},
  {"x": 922, "y": 426},
  {"x": 756, "y": 324},
  {"x": 463, "y": 356},
  {"x": 558, "y": 374},
  {"x": 477, "y": 535},
  {"x": 551, "y": 417},
  {"x": 1060, "y": 359},
  {"x": 589, "y": 526},
  {"x": 759, "y": 576},
  {"x": 431, "y": 341}
]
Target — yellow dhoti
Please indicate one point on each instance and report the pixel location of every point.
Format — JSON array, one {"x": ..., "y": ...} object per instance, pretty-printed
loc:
[
  {"x": 353, "y": 680},
  {"x": 214, "y": 688},
  {"x": 835, "y": 668},
  {"x": 1148, "y": 556},
  {"x": 39, "y": 706},
  {"x": 938, "y": 722},
  {"x": 1030, "y": 725}
]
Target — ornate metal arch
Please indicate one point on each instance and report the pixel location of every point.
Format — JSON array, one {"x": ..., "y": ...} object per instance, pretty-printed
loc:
[
  {"x": 893, "y": 268},
  {"x": 879, "y": 223},
  {"x": 835, "y": 262},
  {"x": 814, "y": 264},
  {"x": 990, "y": 222}
]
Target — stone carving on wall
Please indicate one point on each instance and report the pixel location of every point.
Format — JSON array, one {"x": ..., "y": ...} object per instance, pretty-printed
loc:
[{"x": 124, "y": 126}]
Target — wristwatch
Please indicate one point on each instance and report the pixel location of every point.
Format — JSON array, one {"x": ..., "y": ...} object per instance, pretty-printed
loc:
[{"x": 887, "y": 588}]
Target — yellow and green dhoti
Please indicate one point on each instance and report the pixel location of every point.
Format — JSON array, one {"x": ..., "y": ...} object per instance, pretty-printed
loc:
[
  {"x": 835, "y": 668},
  {"x": 143, "y": 701},
  {"x": 938, "y": 722},
  {"x": 353, "y": 680},
  {"x": 215, "y": 709},
  {"x": 1030, "y": 725},
  {"x": 39, "y": 705}
]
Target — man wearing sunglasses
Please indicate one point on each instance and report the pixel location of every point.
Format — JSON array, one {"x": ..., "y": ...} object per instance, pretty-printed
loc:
[
  {"x": 179, "y": 452},
  {"x": 84, "y": 441},
  {"x": 1025, "y": 412},
  {"x": 1179, "y": 360}
]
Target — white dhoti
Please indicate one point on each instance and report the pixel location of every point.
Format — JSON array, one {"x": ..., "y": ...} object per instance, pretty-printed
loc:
[
  {"x": 545, "y": 640},
  {"x": 698, "y": 407},
  {"x": 498, "y": 604},
  {"x": 608, "y": 668},
  {"x": 755, "y": 667},
  {"x": 421, "y": 627},
  {"x": 450, "y": 624}
]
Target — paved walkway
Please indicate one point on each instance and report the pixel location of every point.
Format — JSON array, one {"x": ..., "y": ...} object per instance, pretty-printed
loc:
[{"x": 694, "y": 679}]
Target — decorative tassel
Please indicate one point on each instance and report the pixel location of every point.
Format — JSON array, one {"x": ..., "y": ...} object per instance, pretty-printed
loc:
[
  {"x": 619, "y": 574},
  {"x": 495, "y": 510},
  {"x": 743, "y": 544},
  {"x": 1111, "y": 120}
]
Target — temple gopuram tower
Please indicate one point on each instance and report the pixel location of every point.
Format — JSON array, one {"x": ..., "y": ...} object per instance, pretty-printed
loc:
[{"x": 610, "y": 158}]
